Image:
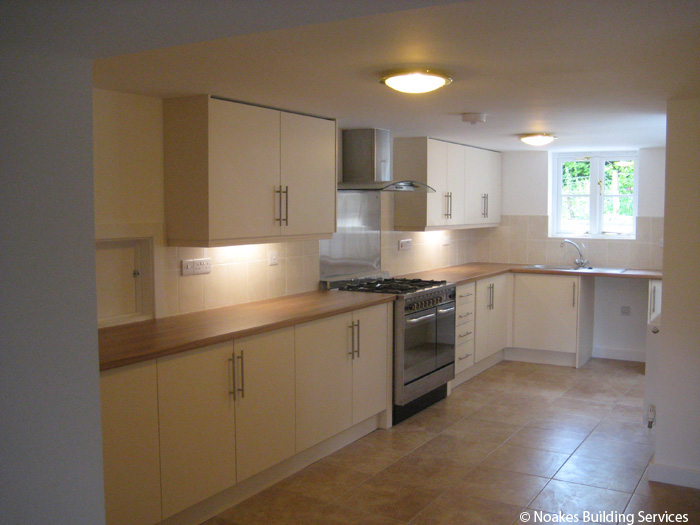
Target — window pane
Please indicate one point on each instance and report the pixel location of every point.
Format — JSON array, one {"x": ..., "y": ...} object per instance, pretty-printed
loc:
[
  {"x": 618, "y": 215},
  {"x": 576, "y": 177},
  {"x": 575, "y": 214},
  {"x": 619, "y": 177}
]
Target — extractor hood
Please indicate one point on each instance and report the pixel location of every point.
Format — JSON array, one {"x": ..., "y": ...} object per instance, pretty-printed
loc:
[{"x": 367, "y": 163}]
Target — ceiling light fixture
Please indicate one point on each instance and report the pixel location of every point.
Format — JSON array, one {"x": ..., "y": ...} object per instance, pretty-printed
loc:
[
  {"x": 415, "y": 80},
  {"x": 538, "y": 139}
]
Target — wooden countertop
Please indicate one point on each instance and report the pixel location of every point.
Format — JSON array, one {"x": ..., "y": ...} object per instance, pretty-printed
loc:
[
  {"x": 135, "y": 342},
  {"x": 465, "y": 273}
]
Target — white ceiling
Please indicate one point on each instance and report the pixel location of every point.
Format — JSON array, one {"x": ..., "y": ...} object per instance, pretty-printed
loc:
[{"x": 597, "y": 73}]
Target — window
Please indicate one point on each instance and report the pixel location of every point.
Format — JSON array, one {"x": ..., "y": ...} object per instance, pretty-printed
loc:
[{"x": 595, "y": 194}]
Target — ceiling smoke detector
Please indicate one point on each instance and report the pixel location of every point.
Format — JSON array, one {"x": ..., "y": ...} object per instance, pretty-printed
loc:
[{"x": 474, "y": 118}]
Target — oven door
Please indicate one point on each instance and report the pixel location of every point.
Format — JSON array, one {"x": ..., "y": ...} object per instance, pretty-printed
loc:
[
  {"x": 420, "y": 348},
  {"x": 445, "y": 349}
]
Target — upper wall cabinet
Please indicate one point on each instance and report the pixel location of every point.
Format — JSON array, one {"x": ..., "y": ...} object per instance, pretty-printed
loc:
[
  {"x": 241, "y": 174},
  {"x": 467, "y": 183}
]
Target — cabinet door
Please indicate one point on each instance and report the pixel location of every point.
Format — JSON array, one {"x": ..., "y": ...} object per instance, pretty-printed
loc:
[
  {"x": 492, "y": 184},
  {"x": 455, "y": 183},
  {"x": 369, "y": 367},
  {"x": 244, "y": 170},
  {"x": 500, "y": 311},
  {"x": 323, "y": 363},
  {"x": 437, "y": 178},
  {"x": 546, "y": 312},
  {"x": 264, "y": 401},
  {"x": 308, "y": 174},
  {"x": 129, "y": 397},
  {"x": 197, "y": 425},
  {"x": 481, "y": 327}
]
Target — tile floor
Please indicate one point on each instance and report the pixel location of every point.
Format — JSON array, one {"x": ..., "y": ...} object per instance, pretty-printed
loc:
[{"x": 520, "y": 437}]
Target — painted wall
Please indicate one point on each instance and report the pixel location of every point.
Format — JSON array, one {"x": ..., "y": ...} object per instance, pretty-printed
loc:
[
  {"x": 677, "y": 381},
  {"x": 51, "y": 452}
]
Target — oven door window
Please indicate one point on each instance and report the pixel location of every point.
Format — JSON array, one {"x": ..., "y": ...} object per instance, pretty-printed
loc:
[
  {"x": 420, "y": 349},
  {"x": 445, "y": 334}
]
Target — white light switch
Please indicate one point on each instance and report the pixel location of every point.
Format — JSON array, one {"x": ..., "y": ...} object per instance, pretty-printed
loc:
[
  {"x": 273, "y": 258},
  {"x": 186, "y": 267}
]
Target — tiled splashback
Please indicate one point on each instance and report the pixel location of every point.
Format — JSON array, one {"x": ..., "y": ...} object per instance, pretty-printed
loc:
[{"x": 242, "y": 274}]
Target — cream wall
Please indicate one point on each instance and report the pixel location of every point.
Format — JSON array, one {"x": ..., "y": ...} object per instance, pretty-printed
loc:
[{"x": 677, "y": 378}]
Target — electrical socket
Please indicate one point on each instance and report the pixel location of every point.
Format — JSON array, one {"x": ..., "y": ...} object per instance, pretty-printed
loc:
[
  {"x": 202, "y": 266},
  {"x": 405, "y": 244}
]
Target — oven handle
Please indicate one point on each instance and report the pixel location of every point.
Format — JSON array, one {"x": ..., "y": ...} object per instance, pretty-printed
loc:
[
  {"x": 447, "y": 310},
  {"x": 421, "y": 318}
]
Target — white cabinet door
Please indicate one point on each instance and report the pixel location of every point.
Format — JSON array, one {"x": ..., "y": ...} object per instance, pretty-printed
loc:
[
  {"x": 308, "y": 175},
  {"x": 437, "y": 178},
  {"x": 546, "y": 312},
  {"x": 244, "y": 170},
  {"x": 483, "y": 186},
  {"x": 323, "y": 362},
  {"x": 129, "y": 400},
  {"x": 493, "y": 298},
  {"x": 456, "y": 181},
  {"x": 369, "y": 366},
  {"x": 265, "y": 421},
  {"x": 492, "y": 186},
  {"x": 197, "y": 425}
]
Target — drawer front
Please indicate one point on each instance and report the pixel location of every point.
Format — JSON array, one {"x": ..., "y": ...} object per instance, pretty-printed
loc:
[
  {"x": 464, "y": 356},
  {"x": 465, "y": 313},
  {"x": 464, "y": 333},
  {"x": 466, "y": 293}
]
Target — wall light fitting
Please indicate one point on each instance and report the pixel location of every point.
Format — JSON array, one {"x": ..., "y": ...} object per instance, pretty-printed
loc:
[
  {"x": 415, "y": 80},
  {"x": 538, "y": 139}
]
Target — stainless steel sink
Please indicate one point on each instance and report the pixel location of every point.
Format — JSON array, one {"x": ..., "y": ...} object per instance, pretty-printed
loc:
[{"x": 586, "y": 269}]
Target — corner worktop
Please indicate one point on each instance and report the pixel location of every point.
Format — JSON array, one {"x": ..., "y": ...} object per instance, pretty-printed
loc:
[
  {"x": 132, "y": 343},
  {"x": 465, "y": 273}
]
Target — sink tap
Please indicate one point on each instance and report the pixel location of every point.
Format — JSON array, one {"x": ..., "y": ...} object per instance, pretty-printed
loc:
[{"x": 581, "y": 261}]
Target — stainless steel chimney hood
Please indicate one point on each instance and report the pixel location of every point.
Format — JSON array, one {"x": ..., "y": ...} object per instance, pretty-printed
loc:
[{"x": 367, "y": 163}]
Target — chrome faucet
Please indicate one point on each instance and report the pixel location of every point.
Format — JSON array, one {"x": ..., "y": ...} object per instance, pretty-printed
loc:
[{"x": 581, "y": 261}]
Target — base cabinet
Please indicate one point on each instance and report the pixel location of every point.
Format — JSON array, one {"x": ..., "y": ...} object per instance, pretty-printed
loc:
[
  {"x": 129, "y": 399},
  {"x": 197, "y": 425},
  {"x": 341, "y": 372},
  {"x": 493, "y": 306},
  {"x": 554, "y": 313}
]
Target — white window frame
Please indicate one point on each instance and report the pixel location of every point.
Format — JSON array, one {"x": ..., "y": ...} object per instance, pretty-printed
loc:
[{"x": 597, "y": 160}]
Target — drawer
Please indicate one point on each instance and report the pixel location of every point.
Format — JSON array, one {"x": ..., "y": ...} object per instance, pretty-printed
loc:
[
  {"x": 464, "y": 333},
  {"x": 465, "y": 313},
  {"x": 464, "y": 356},
  {"x": 466, "y": 293}
]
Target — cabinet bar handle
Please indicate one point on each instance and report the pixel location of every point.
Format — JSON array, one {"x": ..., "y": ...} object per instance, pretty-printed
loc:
[
  {"x": 653, "y": 299},
  {"x": 466, "y": 295},
  {"x": 233, "y": 376},
  {"x": 464, "y": 357},
  {"x": 465, "y": 315},
  {"x": 352, "y": 340},
  {"x": 278, "y": 192},
  {"x": 465, "y": 334},
  {"x": 286, "y": 205},
  {"x": 358, "y": 338},
  {"x": 573, "y": 296},
  {"x": 242, "y": 389},
  {"x": 487, "y": 205}
]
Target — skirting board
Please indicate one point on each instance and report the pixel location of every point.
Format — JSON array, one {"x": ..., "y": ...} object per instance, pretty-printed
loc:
[
  {"x": 674, "y": 475},
  {"x": 544, "y": 357},
  {"x": 214, "y": 505},
  {"x": 621, "y": 354}
]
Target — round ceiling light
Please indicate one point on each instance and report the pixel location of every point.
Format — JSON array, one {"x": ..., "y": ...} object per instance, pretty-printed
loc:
[
  {"x": 538, "y": 139},
  {"x": 415, "y": 80}
]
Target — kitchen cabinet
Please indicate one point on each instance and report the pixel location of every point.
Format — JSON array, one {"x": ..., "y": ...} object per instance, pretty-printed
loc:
[
  {"x": 237, "y": 173},
  {"x": 464, "y": 326},
  {"x": 483, "y": 186},
  {"x": 492, "y": 311},
  {"x": 554, "y": 313},
  {"x": 197, "y": 425},
  {"x": 265, "y": 420},
  {"x": 341, "y": 372},
  {"x": 129, "y": 401},
  {"x": 456, "y": 172}
]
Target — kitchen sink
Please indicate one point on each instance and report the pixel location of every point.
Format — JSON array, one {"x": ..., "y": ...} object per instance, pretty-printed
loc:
[{"x": 585, "y": 269}]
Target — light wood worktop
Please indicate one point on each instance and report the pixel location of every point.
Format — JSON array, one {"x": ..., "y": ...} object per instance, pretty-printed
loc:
[{"x": 135, "y": 342}]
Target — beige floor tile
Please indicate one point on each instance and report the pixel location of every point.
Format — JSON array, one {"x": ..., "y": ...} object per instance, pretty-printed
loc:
[
  {"x": 632, "y": 414},
  {"x": 451, "y": 447},
  {"x": 400, "y": 438},
  {"x": 511, "y": 488},
  {"x": 323, "y": 480},
  {"x": 364, "y": 457},
  {"x": 525, "y": 460},
  {"x": 687, "y": 506},
  {"x": 396, "y": 500},
  {"x": 577, "y": 406},
  {"x": 511, "y": 415},
  {"x": 437, "y": 417},
  {"x": 617, "y": 451},
  {"x": 575, "y": 499},
  {"x": 546, "y": 439},
  {"x": 565, "y": 422},
  {"x": 474, "y": 393},
  {"x": 469, "y": 429},
  {"x": 598, "y": 391},
  {"x": 672, "y": 496},
  {"x": 599, "y": 473},
  {"x": 534, "y": 400},
  {"x": 458, "y": 510},
  {"x": 624, "y": 431},
  {"x": 425, "y": 471}
]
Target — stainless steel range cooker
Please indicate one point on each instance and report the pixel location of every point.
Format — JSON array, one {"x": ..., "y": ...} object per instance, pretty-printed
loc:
[{"x": 424, "y": 339}]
